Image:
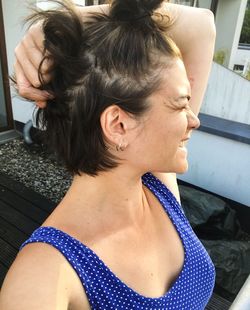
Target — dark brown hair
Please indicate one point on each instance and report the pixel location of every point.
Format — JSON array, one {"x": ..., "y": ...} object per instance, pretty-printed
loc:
[{"x": 113, "y": 58}]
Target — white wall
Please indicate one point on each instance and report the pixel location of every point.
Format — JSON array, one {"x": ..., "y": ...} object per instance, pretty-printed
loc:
[
  {"x": 206, "y": 4},
  {"x": 202, "y": 3},
  {"x": 241, "y": 56},
  {"x": 219, "y": 165},
  {"x": 14, "y": 11},
  {"x": 229, "y": 20},
  {"x": 238, "y": 28},
  {"x": 227, "y": 95}
]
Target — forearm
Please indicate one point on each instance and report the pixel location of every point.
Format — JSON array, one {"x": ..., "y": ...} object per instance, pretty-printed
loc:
[{"x": 193, "y": 30}]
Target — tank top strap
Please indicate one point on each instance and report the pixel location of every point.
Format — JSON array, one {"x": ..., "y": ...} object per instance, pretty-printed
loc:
[
  {"x": 163, "y": 194},
  {"x": 83, "y": 260}
]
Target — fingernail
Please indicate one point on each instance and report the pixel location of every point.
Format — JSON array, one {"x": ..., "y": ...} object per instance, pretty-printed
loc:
[
  {"x": 41, "y": 104},
  {"x": 48, "y": 95}
]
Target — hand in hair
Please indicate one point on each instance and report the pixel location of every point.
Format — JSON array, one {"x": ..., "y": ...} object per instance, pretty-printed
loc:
[
  {"x": 29, "y": 53},
  {"x": 197, "y": 56}
]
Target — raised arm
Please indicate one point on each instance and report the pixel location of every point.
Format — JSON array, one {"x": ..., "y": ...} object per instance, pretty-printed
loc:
[
  {"x": 193, "y": 30},
  {"x": 29, "y": 53}
]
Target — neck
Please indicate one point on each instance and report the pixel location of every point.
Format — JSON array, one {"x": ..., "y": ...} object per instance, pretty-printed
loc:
[{"x": 117, "y": 193}]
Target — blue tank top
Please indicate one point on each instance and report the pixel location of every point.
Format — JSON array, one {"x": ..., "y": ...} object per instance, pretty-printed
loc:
[{"x": 191, "y": 290}]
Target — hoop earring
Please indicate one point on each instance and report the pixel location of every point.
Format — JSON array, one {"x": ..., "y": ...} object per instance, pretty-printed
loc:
[{"x": 120, "y": 147}]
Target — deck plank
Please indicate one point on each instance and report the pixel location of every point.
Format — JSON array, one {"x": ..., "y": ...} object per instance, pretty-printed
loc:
[
  {"x": 16, "y": 218},
  {"x": 11, "y": 234},
  {"x": 7, "y": 253},
  {"x": 3, "y": 271},
  {"x": 20, "y": 190},
  {"x": 22, "y": 205},
  {"x": 21, "y": 211}
]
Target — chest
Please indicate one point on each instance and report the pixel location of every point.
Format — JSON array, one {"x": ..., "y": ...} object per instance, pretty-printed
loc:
[
  {"x": 149, "y": 263},
  {"x": 148, "y": 259}
]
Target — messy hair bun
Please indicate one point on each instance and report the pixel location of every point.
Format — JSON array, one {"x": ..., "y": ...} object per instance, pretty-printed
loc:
[
  {"x": 133, "y": 10},
  {"x": 108, "y": 59}
]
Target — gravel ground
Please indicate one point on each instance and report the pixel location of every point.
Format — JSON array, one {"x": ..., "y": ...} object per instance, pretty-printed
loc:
[{"x": 35, "y": 168}]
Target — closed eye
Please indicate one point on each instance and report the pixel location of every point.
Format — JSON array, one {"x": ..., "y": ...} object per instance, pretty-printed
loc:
[
  {"x": 182, "y": 102},
  {"x": 183, "y": 97}
]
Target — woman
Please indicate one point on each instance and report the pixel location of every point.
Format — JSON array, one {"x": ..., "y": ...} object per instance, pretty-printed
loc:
[{"x": 116, "y": 103}]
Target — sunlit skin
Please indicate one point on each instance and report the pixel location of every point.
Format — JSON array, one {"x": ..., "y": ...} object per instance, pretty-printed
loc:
[
  {"x": 159, "y": 146},
  {"x": 153, "y": 143},
  {"x": 108, "y": 215},
  {"x": 135, "y": 223}
]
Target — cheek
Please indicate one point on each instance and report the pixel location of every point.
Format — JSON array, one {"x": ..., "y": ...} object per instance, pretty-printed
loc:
[
  {"x": 164, "y": 131},
  {"x": 182, "y": 123},
  {"x": 178, "y": 127},
  {"x": 175, "y": 132}
]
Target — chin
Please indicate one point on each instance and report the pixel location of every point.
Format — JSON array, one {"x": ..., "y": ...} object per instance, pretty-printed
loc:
[{"x": 182, "y": 169}]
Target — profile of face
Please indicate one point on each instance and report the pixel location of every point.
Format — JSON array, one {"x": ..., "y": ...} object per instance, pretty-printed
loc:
[{"x": 159, "y": 145}]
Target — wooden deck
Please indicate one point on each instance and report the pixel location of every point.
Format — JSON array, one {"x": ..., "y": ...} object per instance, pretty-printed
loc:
[{"x": 22, "y": 211}]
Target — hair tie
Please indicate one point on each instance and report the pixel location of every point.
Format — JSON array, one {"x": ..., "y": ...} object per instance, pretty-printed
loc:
[
  {"x": 134, "y": 19},
  {"x": 141, "y": 17}
]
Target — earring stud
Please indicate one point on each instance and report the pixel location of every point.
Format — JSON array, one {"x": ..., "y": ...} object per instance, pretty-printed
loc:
[{"x": 120, "y": 147}]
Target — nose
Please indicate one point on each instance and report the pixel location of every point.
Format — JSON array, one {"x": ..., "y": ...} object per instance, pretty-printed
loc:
[{"x": 193, "y": 120}]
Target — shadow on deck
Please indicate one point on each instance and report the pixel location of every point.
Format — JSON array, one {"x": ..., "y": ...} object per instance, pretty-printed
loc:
[{"x": 22, "y": 211}]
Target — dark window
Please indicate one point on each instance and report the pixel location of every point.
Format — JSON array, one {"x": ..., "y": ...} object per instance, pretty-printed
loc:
[
  {"x": 6, "y": 120},
  {"x": 245, "y": 32},
  {"x": 238, "y": 67}
]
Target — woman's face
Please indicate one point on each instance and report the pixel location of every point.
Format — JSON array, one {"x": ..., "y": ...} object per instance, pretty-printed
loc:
[{"x": 168, "y": 123}]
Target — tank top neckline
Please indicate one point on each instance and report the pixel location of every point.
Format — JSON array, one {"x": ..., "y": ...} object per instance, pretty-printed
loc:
[{"x": 108, "y": 269}]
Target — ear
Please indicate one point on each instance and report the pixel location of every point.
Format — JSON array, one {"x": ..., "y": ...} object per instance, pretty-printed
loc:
[{"x": 115, "y": 124}]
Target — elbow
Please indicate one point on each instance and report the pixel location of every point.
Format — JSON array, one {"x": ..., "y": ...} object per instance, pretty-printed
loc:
[{"x": 208, "y": 23}]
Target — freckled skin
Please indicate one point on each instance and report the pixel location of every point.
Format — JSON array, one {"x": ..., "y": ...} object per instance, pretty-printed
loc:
[{"x": 169, "y": 121}]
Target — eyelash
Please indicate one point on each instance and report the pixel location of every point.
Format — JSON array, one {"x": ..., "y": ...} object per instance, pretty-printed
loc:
[{"x": 186, "y": 107}]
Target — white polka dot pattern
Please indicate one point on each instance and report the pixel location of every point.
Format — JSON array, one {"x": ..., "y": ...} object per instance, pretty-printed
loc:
[{"x": 191, "y": 290}]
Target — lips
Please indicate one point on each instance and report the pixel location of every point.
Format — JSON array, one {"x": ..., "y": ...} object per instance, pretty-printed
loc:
[{"x": 182, "y": 144}]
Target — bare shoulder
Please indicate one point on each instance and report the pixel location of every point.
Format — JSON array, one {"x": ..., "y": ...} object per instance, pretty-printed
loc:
[
  {"x": 170, "y": 180},
  {"x": 41, "y": 278}
]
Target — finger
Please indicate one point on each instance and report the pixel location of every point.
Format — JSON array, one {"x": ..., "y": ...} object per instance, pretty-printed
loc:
[
  {"x": 29, "y": 57},
  {"x": 37, "y": 35},
  {"x": 25, "y": 89},
  {"x": 25, "y": 65},
  {"x": 35, "y": 55},
  {"x": 41, "y": 104},
  {"x": 32, "y": 52}
]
